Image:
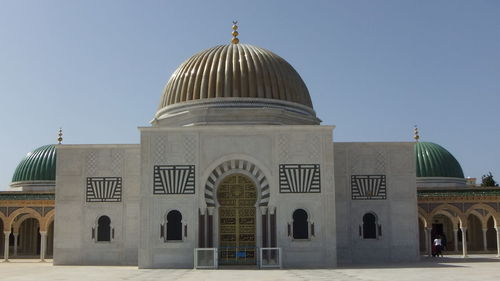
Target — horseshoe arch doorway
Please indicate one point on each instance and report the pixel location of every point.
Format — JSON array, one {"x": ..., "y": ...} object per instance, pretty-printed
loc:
[{"x": 237, "y": 197}]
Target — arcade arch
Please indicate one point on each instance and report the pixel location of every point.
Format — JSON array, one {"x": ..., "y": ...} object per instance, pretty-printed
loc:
[
  {"x": 472, "y": 229},
  {"x": 491, "y": 239},
  {"x": 26, "y": 233}
]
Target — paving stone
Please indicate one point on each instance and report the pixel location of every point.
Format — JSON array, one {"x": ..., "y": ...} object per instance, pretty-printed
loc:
[{"x": 476, "y": 267}]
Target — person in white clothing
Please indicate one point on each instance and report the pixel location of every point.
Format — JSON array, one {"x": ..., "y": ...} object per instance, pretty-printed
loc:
[{"x": 438, "y": 246}]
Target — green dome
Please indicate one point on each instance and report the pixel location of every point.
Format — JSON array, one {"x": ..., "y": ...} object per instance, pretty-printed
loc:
[
  {"x": 433, "y": 160},
  {"x": 38, "y": 165}
]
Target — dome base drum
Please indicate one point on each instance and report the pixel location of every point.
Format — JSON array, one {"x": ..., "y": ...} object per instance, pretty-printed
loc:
[{"x": 235, "y": 111}]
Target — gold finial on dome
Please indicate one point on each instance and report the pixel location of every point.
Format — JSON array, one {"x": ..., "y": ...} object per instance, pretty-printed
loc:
[
  {"x": 235, "y": 33},
  {"x": 416, "y": 136},
  {"x": 60, "y": 138}
]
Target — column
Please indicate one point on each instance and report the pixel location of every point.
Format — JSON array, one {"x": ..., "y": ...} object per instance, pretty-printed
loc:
[
  {"x": 498, "y": 240},
  {"x": 272, "y": 228},
  {"x": 16, "y": 235},
  {"x": 43, "y": 244},
  {"x": 428, "y": 237},
  {"x": 464, "y": 241},
  {"x": 201, "y": 228},
  {"x": 427, "y": 240},
  {"x": 6, "y": 246},
  {"x": 485, "y": 242},
  {"x": 265, "y": 231},
  {"x": 455, "y": 239},
  {"x": 210, "y": 227}
]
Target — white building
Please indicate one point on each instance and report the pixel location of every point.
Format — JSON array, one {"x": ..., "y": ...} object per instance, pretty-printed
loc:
[{"x": 236, "y": 159}]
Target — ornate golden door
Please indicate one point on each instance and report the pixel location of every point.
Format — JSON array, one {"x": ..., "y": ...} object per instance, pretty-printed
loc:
[{"x": 237, "y": 195}]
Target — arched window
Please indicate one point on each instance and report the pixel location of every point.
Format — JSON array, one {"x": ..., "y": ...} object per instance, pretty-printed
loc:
[
  {"x": 104, "y": 229},
  {"x": 174, "y": 225},
  {"x": 300, "y": 225},
  {"x": 369, "y": 226}
]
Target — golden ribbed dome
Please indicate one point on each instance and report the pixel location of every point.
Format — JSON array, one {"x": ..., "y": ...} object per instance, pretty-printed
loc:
[{"x": 235, "y": 71}]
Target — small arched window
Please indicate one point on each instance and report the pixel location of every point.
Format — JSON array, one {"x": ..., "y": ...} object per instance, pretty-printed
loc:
[
  {"x": 300, "y": 224},
  {"x": 369, "y": 226},
  {"x": 174, "y": 225},
  {"x": 104, "y": 229}
]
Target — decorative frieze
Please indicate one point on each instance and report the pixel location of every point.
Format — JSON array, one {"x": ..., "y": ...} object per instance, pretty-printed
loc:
[
  {"x": 299, "y": 178},
  {"x": 460, "y": 196},
  {"x": 458, "y": 199},
  {"x": 174, "y": 179},
  {"x": 368, "y": 187}
]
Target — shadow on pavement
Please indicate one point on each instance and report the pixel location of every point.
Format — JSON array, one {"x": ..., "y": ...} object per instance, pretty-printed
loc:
[{"x": 430, "y": 262}]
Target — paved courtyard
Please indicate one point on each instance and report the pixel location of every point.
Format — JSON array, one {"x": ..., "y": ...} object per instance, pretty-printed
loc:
[{"x": 476, "y": 267}]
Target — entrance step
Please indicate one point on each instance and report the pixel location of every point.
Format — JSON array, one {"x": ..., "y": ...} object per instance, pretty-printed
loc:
[{"x": 238, "y": 267}]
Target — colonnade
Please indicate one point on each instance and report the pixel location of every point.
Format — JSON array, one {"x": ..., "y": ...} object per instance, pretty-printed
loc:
[
  {"x": 12, "y": 224},
  {"x": 459, "y": 221},
  {"x": 43, "y": 245},
  {"x": 428, "y": 242}
]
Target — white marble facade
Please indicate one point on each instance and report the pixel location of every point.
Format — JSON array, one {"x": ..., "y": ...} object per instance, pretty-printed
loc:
[
  {"x": 335, "y": 214},
  {"x": 78, "y": 211},
  {"x": 392, "y": 166},
  {"x": 256, "y": 151}
]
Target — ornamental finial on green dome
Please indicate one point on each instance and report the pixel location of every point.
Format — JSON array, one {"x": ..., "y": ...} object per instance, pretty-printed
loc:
[
  {"x": 60, "y": 138},
  {"x": 416, "y": 135}
]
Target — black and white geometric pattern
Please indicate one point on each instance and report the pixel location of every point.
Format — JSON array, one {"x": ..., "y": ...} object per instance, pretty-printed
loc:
[
  {"x": 104, "y": 189},
  {"x": 364, "y": 187},
  {"x": 173, "y": 179},
  {"x": 300, "y": 178},
  {"x": 237, "y": 165}
]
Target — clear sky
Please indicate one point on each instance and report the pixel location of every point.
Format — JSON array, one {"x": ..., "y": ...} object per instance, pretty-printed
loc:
[{"x": 373, "y": 68}]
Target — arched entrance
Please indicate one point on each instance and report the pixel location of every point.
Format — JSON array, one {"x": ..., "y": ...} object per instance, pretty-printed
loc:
[
  {"x": 491, "y": 235},
  {"x": 50, "y": 240},
  {"x": 442, "y": 226},
  {"x": 29, "y": 238},
  {"x": 474, "y": 233},
  {"x": 237, "y": 197}
]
